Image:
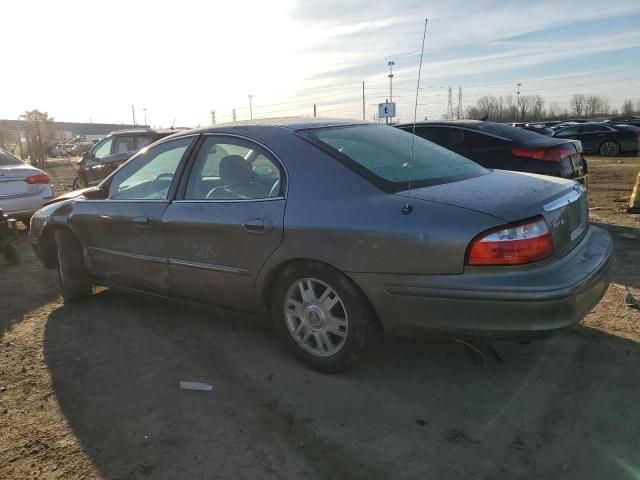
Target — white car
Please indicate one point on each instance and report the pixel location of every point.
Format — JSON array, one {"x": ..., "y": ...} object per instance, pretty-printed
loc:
[{"x": 23, "y": 188}]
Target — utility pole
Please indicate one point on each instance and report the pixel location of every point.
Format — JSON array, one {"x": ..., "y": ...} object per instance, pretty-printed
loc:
[
  {"x": 314, "y": 110},
  {"x": 459, "y": 103},
  {"x": 363, "y": 111},
  {"x": 518, "y": 107},
  {"x": 145, "y": 115},
  {"x": 133, "y": 113},
  {"x": 233, "y": 115},
  {"x": 213, "y": 117},
  {"x": 250, "y": 107}
]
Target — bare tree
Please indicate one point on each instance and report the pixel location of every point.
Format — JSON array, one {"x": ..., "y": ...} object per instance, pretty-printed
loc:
[
  {"x": 553, "y": 109},
  {"x": 577, "y": 104},
  {"x": 627, "y": 107},
  {"x": 39, "y": 133}
]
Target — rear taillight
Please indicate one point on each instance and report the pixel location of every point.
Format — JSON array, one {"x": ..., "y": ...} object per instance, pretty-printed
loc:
[
  {"x": 526, "y": 242},
  {"x": 40, "y": 178},
  {"x": 555, "y": 154}
]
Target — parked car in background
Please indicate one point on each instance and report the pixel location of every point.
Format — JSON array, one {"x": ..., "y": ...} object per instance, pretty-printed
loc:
[
  {"x": 112, "y": 151},
  {"x": 23, "y": 188},
  {"x": 538, "y": 128},
  {"x": 336, "y": 230},
  {"x": 60, "y": 150},
  {"x": 601, "y": 137},
  {"x": 635, "y": 121},
  {"x": 494, "y": 145}
]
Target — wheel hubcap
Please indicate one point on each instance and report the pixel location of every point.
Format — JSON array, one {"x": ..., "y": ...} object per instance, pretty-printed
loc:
[{"x": 316, "y": 317}]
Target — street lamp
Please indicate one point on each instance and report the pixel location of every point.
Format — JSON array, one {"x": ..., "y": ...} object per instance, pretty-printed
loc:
[
  {"x": 250, "y": 107},
  {"x": 391, "y": 64},
  {"x": 518, "y": 107}
]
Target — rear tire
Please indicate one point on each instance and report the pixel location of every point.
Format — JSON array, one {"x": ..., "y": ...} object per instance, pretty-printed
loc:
[
  {"x": 75, "y": 282},
  {"x": 11, "y": 255},
  {"x": 77, "y": 183},
  {"x": 323, "y": 318},
  {"x": 610, "y": 148}
]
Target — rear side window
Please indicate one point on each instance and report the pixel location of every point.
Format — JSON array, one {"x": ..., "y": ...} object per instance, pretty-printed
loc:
[
  {"x": 7, "y": 159},
  {"x": 594, "y": 129},
  {"x": 383, "y": 155}
]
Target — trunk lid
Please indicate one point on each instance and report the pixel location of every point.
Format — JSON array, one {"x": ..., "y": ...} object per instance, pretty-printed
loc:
[
  {"x": 12, "y": 182},
  {"x": 515, "y": 196}
]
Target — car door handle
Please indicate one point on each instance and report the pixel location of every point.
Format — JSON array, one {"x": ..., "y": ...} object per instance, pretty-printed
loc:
[
  {"x": 143, "y": 222},
  {"x": 257, "y": 225}
]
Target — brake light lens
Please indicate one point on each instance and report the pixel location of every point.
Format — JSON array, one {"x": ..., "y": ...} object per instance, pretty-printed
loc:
[
  {"x": 518, "y": 244},
  {"x": 555, "y": 154},
  {"x": 40, "y": 178}
]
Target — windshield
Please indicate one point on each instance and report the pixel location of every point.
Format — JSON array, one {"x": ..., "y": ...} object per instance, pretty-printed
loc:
[
  {"x": 7, "y": 159},
  {"x": 383, "y": 155}
]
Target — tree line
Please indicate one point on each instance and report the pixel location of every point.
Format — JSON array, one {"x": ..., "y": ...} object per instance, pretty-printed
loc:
[{"x": 535, "y": 108}]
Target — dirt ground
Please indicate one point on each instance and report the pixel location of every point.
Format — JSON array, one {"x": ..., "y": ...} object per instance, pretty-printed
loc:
[{"x": 90, "y": 390}]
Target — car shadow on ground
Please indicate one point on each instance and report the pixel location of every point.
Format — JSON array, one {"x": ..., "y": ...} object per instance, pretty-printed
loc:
[
  {"x": 415, "y": 408},
  {"x": 626, "y": 269},
  {"x": 24, "y": 287}
]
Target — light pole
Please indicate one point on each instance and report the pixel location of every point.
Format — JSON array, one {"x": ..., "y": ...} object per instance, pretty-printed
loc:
[
  {"x": 518, "y": 105},
  {"x": 145, "y": 115},
  {"x": 250, "y": 107},
  {"x": 391, "y": 64}
]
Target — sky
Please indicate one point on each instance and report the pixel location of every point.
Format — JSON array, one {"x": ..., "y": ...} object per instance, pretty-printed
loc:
[{"x": 91, "y": 61}]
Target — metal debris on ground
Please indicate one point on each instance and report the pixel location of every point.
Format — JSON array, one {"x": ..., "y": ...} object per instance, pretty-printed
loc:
[
  {"x": 203, "y": 387},
  {"x": 630, "y": 301},
  {"x": 475, "y": 349}
]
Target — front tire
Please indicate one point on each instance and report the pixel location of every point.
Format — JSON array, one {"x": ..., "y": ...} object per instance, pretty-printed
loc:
[
  {"x": 610, "y": 148},
  {"x": 323, "y": 318},
  {"x": 75, "y": 282}
]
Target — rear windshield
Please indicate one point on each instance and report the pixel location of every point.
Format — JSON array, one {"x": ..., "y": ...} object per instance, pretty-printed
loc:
[
  {"x": 506, "y": 131},
  {"x": 383, "y": 155},
  {"x": 7, "y": 159}
]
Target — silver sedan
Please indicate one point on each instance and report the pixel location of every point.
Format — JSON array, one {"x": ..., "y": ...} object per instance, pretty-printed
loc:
[
  {"x": 339, "y": 230},
  {"x": 23, "y": 188}
]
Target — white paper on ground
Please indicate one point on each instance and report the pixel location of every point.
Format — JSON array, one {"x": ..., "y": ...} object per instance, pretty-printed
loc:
[{"x": 196, "y": 386}]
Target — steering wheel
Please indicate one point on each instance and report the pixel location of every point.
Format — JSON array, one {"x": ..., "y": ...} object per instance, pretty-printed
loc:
[{"x": 153, "y": 186}]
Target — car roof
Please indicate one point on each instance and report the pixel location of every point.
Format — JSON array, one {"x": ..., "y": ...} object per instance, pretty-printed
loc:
[
  {"x": 151, "y": 131},
  {"x": 291, "y": 123},
  {"x": 452, "y": 123}
]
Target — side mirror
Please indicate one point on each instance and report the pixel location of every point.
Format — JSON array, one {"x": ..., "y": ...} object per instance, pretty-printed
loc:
[
  {"x": 86, "y": 155},
  {"x": 96, "y": 193}
]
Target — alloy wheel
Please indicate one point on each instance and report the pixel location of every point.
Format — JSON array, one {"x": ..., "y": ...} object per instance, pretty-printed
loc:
[
  {"x": 609, "y": 148},
  {"x": 316, "y": 317}
]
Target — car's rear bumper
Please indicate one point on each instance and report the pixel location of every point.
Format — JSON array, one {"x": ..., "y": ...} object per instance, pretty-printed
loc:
[
  {"x": 25, "y": 205},
  {"x": 536, "y": 298}
]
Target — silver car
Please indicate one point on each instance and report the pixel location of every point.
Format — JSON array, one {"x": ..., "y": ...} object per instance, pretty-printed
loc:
[
  {"x": 23, "y": 188},
  {"x": 340, "y": 230}
]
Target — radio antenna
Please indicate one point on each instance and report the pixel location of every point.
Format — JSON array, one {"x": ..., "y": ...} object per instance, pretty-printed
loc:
[{"x": 406, "y": 209}]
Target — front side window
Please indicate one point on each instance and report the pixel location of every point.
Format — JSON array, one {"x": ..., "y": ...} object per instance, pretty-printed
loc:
[
  {"x": 565, "y": 132},
  {"x": 142, "y": 141},
  {"x": 103, "y": 148},
  {"x": 594, "y": 129},
  {"x": 149, "y": 175},
  {"x": 230, "y": 168},
  {"x": 383, "y": 155}
]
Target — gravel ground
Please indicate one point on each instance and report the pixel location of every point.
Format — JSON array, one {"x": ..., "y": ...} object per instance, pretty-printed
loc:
[{"x": 90, "y": 390}]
